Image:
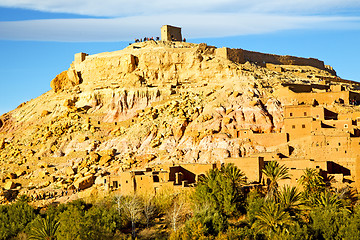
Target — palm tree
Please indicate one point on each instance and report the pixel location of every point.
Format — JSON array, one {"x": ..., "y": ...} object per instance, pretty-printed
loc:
[
  {"x": 290, "y": 199},
  {"x": 313, "y": 185},
  {"x": 272, "y": 219},
  {"x": 44, "y": 229},
  {"x": 274, "y": 172},
  {"x": 222, "y": 188},
  {"x": 329, "y": 200},
  {"x": 312, "y": 181},
  {"x": 234, "y": 174},
  {"x": 210, "y": 176}
]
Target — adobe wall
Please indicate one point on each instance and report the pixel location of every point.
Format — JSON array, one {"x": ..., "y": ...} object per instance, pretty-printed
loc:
[
  {"x": 340, "y": 124},
  {"x": 144, "y": 184},
  {"x": 297, "y": 167},
  {"x": 269, "y": 139},
  {"x": 336, "y": 149},
  {"x": 357, "y": 173},
  {"x": 321, "y": 98},
  {"x": 302, "y": 164},
  {"x": 242, "y": 56},
  {"x": 299, "y": 88},
  {"x": 170, "y": 33},
  {"x": 267, "y": 156},
  {"x": 250, "y": 166},
  {"x": 190, "y": 172},
  {"x": 351, "y": 115},
  {"x": 300, "y": 127},
  {"x": 264, "y": 139},
  {"x": 294, "y": 111},
  {"x": 79, "y": 58},
  {"x": 127, "y": 183}
]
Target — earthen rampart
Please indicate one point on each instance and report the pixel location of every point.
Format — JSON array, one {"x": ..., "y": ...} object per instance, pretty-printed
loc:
[{"x": 242, "y": 56}]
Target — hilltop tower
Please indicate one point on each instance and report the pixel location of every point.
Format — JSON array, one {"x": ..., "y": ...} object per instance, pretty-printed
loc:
[{"x": 170, "y": 33}]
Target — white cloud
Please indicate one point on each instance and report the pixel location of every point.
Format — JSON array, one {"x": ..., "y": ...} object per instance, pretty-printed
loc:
[
  {"x": 194, "y": 26},
  {"x": 120, "y": 8},
  {"x": 199, "y": 18}
]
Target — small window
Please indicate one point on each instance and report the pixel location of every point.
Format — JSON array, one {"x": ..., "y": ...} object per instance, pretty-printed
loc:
[
  {"x": 345, "y": 151},
  {"x": 317, "y": 116},
  {"x": 291, "y": 114},
  {"x": 105, "y": 180},
  {"x": 328, "y": 143},
  {"x": 345, "y": 126},
  {"x": 126, "y": 181},
  {"x": 305, "y": 114},
  {"x": 293, "y": 126},
  {"x": 317, "y": 166},
  {"x": 303, "y": 126},
  {"x": 339, "y": 144}
]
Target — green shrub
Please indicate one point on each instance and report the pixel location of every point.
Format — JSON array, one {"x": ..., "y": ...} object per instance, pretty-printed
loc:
[{"x": 15, "y": 218}]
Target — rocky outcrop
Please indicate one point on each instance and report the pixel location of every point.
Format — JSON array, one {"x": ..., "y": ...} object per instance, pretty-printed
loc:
[
  {"x": 66, "y": 79},
  {"x": 85, "y": 182}
]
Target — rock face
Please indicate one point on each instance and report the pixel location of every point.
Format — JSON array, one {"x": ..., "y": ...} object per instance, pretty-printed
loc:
[
  {"x": 84, "y": 182},
  {"x": 9, "y": 185},
  {"x": 66, "y": 79},
  {"x": 150, "y": 103}
]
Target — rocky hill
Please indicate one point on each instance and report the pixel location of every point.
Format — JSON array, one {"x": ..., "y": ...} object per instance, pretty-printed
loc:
[{"x": 150, "y": 103}]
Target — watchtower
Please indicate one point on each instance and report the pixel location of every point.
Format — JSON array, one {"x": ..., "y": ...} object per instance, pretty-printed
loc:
[{"x": 170, "y": 33}]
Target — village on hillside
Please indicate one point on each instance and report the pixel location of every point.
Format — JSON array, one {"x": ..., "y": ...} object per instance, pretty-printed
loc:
[{"x": 318, "y": 123}]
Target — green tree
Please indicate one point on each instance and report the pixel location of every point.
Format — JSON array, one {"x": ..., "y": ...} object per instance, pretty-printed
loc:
[
  {"x": 274, "y": 173},
  {"x": 79, "y": 220},
  {"x": 219, "y": 193},
  {"x": 289, "y": 199},
  {"x": 313, "y": 185},
  {"x": 273, "y": 220},
  {"x": 44, "y": 228},
  {"x": 329, "y": 200},
  {"x": 14, "y": 218},
  {"x": 351, "y": 230},
  {"x": 234, "y": 175},
  {"x": 328, "y": 223},
  {"x": 254, "y": 203},
  {"x": 193, "y": 230}
]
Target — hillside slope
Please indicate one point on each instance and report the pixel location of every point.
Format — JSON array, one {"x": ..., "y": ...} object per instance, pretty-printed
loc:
[{"x": 150, "y": 103}]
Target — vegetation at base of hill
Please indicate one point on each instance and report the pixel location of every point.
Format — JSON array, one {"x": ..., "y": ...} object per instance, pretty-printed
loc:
[{"x": 219, "y": 207}]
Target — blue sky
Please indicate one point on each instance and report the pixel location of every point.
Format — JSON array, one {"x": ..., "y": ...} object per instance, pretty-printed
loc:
[{"x": 38, "y": 38}]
